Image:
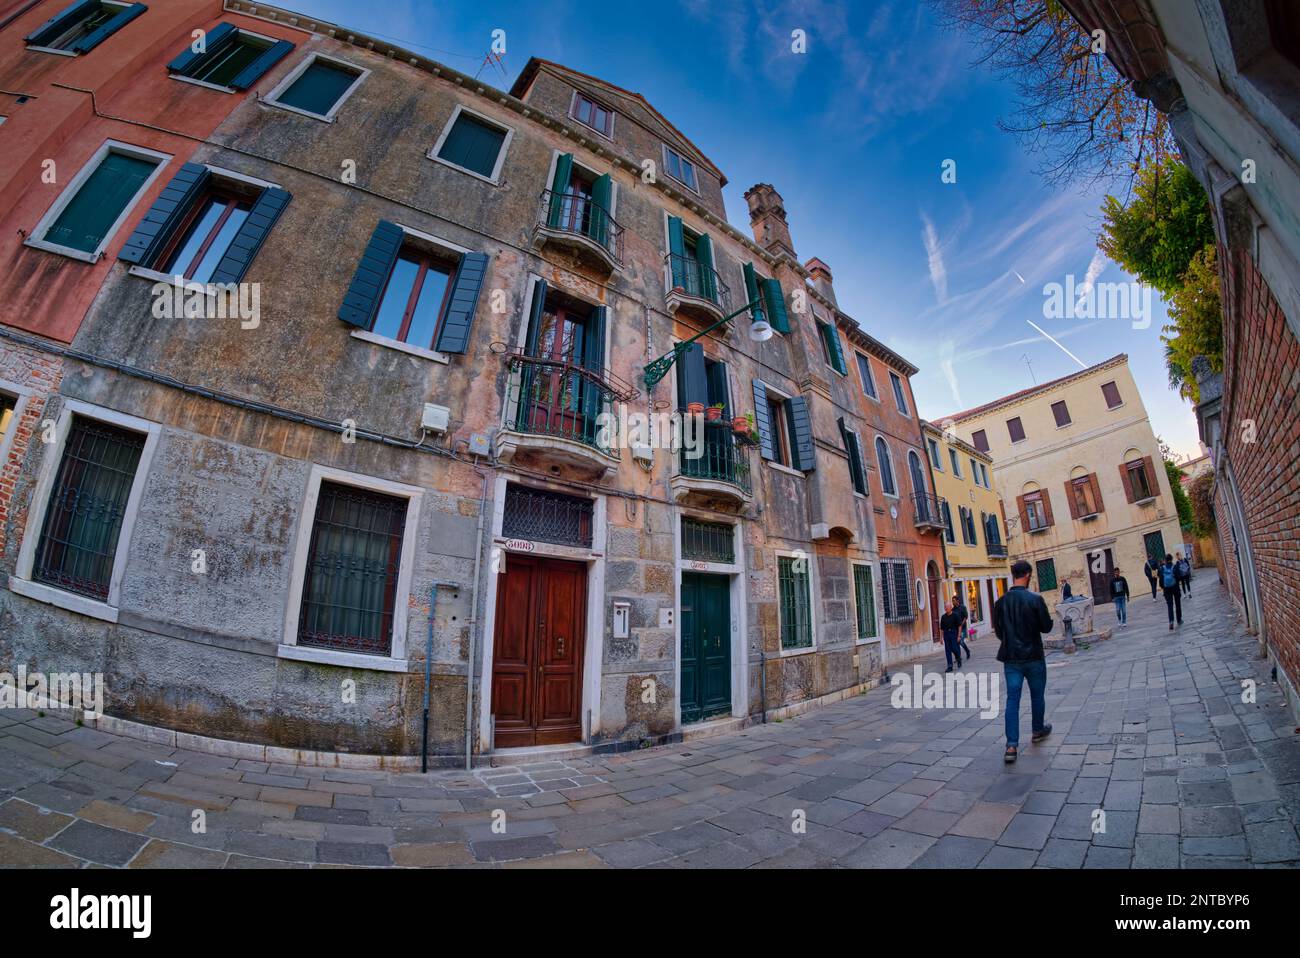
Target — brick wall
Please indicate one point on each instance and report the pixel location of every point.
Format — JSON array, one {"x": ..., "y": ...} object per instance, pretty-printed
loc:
[
  {"x": 40, "y": 373},
  {"x": 1262, "y": 434}
]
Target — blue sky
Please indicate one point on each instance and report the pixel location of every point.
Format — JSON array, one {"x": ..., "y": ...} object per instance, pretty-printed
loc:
[{"x": 853, "y": 133}]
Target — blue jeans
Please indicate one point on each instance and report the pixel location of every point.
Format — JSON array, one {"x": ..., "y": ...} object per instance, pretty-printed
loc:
[
  {"x": 1017, "y": 674},
  {"x": 950, "y": 648},
  {"x": 1121, "y": 607}
]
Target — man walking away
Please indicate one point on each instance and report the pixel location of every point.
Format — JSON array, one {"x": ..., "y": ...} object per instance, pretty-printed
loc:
[
  {"x": 1173, "y": 594},
  {"x": 1119, "y": 592},
  {"x": 960, "y": 608},
  {"x": 1020, "y": 618},
  {"x": 949, "y": 624},
  {"x": 1184, "y": 569},
  {"x": 1150, "y": 569}
]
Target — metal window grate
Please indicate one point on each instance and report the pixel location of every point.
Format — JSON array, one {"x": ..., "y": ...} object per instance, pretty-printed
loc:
[
  {"x": 84, "y": 517},
  {"x": 349, "y": 591},
  {"x": 796, "y": 612},
  {"x": 708, "y": 541},
  {"x": 895, "y": 588},
  {"x": 543, "y": 516},
  {"x": 866, "y": 596},
  {"x": 1046, "y": 575}
]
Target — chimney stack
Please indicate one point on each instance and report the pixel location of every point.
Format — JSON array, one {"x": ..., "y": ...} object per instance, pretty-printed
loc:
[
  {"x": 767, "y": 219},
  {"x": 821, "y": 279}
]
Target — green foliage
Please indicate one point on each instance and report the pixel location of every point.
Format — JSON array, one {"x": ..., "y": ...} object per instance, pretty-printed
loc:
[
  {"x": 1164, "y": 225},
  {"x": 1201, "y": 494},
  {"x": 1197, "y": 328},
  {"x": 1185, "y": 518}
]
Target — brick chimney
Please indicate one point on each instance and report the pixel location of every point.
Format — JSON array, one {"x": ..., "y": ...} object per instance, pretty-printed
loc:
[
  {"x": 767, "y": 219},
  {"x": 821, "y": 278}
]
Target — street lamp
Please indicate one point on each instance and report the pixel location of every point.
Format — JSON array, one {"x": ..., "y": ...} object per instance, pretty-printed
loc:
[{"x": 759, "y": 331}]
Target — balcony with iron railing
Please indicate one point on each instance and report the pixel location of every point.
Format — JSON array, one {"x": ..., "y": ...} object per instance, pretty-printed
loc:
[
  {"x": 995, "y": 550},
  {"x": 927, "y": 512},
  {"x": 695, "y": 289},
  {"x": 715, "y": 467},
  {"x": 581, "y": 226},
  {"x": 553, "y": 414}
]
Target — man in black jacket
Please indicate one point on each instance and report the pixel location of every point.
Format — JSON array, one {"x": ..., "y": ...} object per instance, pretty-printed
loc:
[
  {"x": 1119, "y": 592},
  {"x": 1150, "y": 569},
  {"x": 1020, "y": 618},
  {"x": 959, "y": 608}
]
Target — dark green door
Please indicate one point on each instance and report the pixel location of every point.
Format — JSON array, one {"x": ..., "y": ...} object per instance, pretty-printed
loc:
[
  {"x": 1154, "y": 542},
  {"x": 706, "y": 646}
]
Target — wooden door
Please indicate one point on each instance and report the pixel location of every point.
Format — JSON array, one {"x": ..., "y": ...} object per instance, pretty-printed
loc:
[
  {"x": 537, "y": 652},
  {"x": 706, "y": 646},
  {"x": 936, "y": 610},
  {"x": 1101, "y": 580}
]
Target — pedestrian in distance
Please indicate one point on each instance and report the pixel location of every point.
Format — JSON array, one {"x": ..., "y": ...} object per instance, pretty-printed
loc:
[
  {"x": 1173, "y": 592},
  {"x": 1020, "y": 619},
  {"x": 949, "y": 625},
  {"x": 1184, "y": 570},
  {"x": 1150, "y": 569},
  {"x": 1119, "y": 592},
  {"x": 960, "y": 608},
  {"x": 1066, "y": 592}
]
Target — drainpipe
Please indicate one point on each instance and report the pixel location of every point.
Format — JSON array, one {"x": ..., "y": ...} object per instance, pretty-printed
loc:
[{"x": 473, "y": 624}]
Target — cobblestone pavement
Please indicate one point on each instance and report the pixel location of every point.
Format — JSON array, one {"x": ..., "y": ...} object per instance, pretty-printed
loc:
[{"x": 1149, "y": 727}]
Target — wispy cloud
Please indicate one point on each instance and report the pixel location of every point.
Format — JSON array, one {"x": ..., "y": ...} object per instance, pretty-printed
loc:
[{"x": 934, "y": 257}]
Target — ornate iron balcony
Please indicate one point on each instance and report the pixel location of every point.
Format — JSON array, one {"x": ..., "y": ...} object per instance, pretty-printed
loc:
[
  {"x": 996, "y": 550},
  {"x": 580, "y": 218},
  {"x": 927, "y": 512},
  {"x": 692, "y": 278},
  {"x": 723, "y": 458}
]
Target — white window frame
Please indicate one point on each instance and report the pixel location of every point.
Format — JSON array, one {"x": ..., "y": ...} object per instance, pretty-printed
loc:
[
  {"x": 289, "y": 648},
  {"x": 20, "y": 395},
  {"x": 216, "y": 86},
  {"x": 21, "y": 581},
  {"x": 893, "y": 473},
  {"x": 120, "y": 4},
  {"x": 367, "y": 336},
  {"x": 273, "y": 98},
  {"x": 573, "y": 114},
  {"x": 36, "y": 237},
  {"x": 812, "y": 606},
  {"x": 682, "y": 159},
  {"x": 879, "y": 637},
  {"x": 495, "y": 178}
]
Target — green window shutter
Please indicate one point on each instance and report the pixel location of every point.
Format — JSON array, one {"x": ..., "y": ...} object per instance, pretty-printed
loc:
[
  {"x": 166, "y": 214},
  {"x": 758, "y": 313},
  {"x": 213, "y": 43},
  {"x": 593, "y": 359},
  {"x": 602, "y": 199},
  {"x": 559, "y": 186},
  {"x": 704, "y": 253},
  {"x": 855, "y": 458},
  {"x": 371, "y": 276},
  {"x": 531, "y": 336},
  {"x": 86, "y": 220},
  {"x": 866, "y": 604},
  {"x": 269, "y": 58},
  {"x": 462, "y": 304},
  {"x": 251, "y": 235},
  {"x": 473, "y": 144},
  {"x": 774, "y": 299},
  {"x": 833, "y": 347},
  {"x": 60, "y": 22},
  {"x": 110, "y": 27},
  {"x": 718, "y": 388},
  {"x": 801, "y": 434},
  {"x": 677, "y": 249},
  {"x": 692, "y": 378},
  {"x": 763, "y": 421}
]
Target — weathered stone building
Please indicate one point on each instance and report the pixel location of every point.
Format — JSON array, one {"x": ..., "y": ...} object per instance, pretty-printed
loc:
[
  {"x": 1227, "y": 74},
  {"x": 389, "y": 453}
]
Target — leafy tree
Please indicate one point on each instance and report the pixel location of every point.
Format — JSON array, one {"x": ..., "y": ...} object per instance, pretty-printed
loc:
[
  {"x": 1197, "y": 328},
  {"x": 1184, "y": 504},
  {"x": 1074, "y": 109},
  {"x": 1201, "y": 494},
  {"x": 1163, "y": 226}
]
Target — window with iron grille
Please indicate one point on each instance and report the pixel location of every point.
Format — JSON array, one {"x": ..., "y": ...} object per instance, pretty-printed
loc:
[
  {"x": 796, "y": 602},
  {"x": 543, "y": 516},
  {"x": 83, "y": 520},
  {"x": 865, "y": 592},
  {"x": 708, "y": 541},
  {"x": 1046, "y": 569},
  {"x": 895, "y": 591},
  {"x": 349, "y": 591}
]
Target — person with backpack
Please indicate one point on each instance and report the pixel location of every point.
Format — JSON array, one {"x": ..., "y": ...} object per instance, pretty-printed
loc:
[
  {"x": 1150, "y": 569},
  {"x": 1184, "y": 570},
  {"x": 1173, "y": 593},
  {"x": 1119, "y": 592}
]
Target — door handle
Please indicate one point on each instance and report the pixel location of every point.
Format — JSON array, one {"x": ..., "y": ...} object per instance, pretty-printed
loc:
[{"x": 559, "y": 646}]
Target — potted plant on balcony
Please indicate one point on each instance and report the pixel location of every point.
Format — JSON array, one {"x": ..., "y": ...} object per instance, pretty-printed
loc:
[
  {"x": 695, "y": 408},
  {"x": 714, "y": 412},
  {"x": 740, "y": 426}
]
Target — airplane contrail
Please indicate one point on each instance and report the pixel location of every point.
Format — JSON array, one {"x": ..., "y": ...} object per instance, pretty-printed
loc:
[{"x": 1082, "y": 364}]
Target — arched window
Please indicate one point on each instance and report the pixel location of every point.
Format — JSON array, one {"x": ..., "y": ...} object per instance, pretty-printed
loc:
[
  {"x": 918, "y": 475},
  {"x": 886, "y": 468}
]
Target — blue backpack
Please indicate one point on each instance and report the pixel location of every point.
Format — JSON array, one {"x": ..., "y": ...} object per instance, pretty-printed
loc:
[{"x": 1167, "y": 576}]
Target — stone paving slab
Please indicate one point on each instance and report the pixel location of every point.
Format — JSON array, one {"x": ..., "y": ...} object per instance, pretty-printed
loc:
[{"x": 1154, "y": 762}]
